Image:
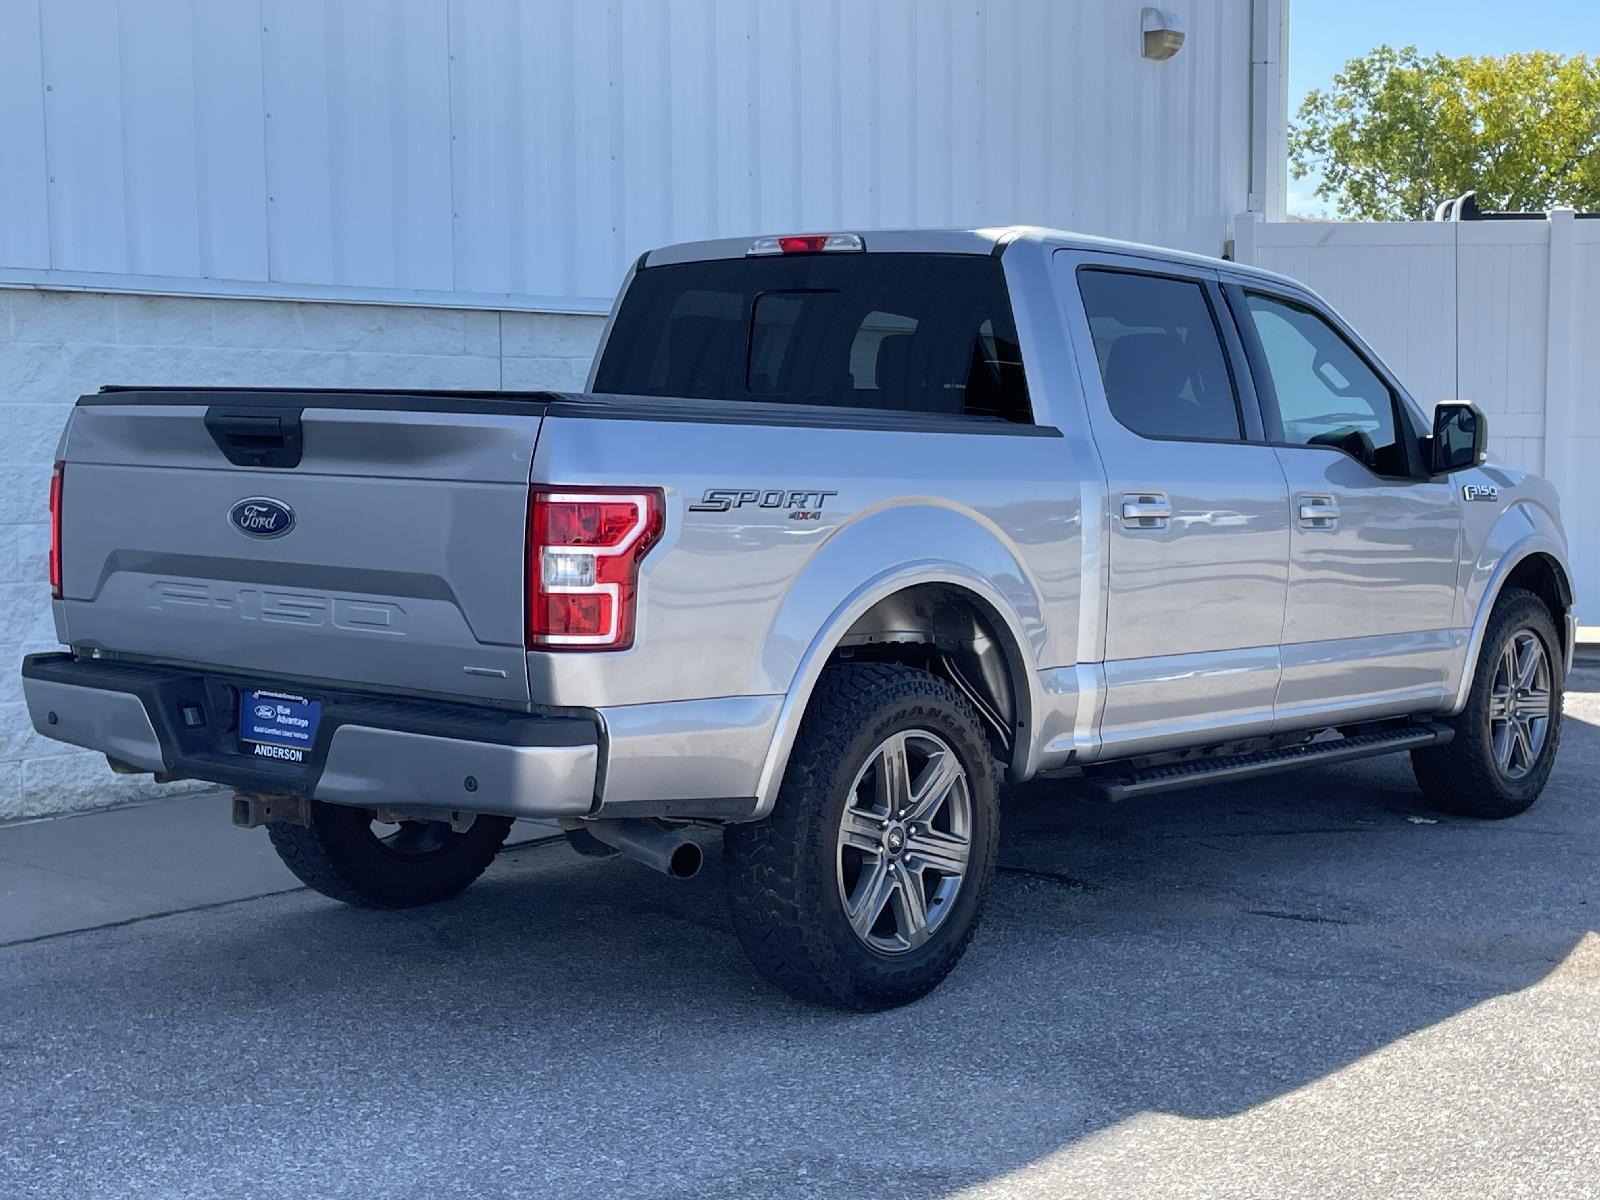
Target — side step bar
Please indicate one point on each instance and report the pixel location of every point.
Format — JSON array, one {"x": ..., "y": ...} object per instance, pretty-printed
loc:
[{"x": 1171, "y": 777}]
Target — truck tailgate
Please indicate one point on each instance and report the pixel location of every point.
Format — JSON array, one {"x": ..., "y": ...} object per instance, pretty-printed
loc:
[{"x": 396, "y": 562}]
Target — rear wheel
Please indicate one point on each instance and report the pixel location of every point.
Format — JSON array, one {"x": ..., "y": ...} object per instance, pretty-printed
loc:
[
  {"x": 1506, "y": 737},
  {"x": 347, "y": 854},
  {"x": 863, "y": 888}
]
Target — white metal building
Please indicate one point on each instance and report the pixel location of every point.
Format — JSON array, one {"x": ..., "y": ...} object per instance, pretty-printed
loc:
[
  {"x": 518, "y": 154},
  {"x": 446, "y": 192}
]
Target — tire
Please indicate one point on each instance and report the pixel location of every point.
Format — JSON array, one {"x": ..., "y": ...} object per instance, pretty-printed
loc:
[
  {"x": 791, "y": 877},
  {"x": 1472, "y": 776},
  {"x": 340, "y": 855}
]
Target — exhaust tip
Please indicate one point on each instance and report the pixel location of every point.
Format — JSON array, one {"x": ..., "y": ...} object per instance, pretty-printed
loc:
[
  {"x": 685, "y": 861},
  {"x": 670, "y": 851}
]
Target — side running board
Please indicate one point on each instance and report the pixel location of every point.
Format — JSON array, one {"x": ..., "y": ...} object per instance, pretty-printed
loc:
[{"x": 1171, "y": 777}]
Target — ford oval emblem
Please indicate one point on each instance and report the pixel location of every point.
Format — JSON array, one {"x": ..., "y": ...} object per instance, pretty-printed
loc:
[{"x": 262, "y": 517}]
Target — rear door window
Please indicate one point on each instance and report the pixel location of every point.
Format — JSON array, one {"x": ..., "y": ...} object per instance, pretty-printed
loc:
[
  {"x": 928, "y": 333},
  {"x": 1160, "y": 356}
]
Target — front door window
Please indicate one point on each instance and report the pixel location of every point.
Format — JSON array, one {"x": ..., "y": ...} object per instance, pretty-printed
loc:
[{"x": 1322, "y": 392}]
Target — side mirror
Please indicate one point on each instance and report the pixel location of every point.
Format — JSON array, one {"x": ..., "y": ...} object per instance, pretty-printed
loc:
[{"x": 1460, "y": 436}]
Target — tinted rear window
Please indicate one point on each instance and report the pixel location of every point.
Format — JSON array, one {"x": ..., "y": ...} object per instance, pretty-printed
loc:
[
  {"x": 1161, "y": 357},
  {"x": 909, "y": 332}
]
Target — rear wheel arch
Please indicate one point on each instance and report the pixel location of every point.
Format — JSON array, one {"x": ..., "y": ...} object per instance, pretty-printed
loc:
[
  {"x": 867, "y": 627},
  {"x": 830, "y": 894},
  {"x": 950, "y": 631}
]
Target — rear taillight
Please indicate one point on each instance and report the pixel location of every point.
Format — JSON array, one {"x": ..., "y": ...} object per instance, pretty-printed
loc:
[
  {"x": 55, "y": 530},
  {"x": 584, "y": 551}
]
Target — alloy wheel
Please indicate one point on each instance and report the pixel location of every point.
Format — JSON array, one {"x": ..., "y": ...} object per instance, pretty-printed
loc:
[
  {"x": 1519, "y": 704},
  {"x": 905, "y": 841}
]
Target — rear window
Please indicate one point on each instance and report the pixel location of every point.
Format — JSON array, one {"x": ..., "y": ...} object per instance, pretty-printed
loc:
[
  {"x": 1161, "y": 357},
  {"x": 929, "y": 333}
]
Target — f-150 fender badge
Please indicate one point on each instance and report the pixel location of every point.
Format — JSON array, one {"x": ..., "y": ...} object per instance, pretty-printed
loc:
[
  {"x": 1480, "y": 491},
  {"x": 261, "y": 517},
  {"x": 805, "y": 504}
]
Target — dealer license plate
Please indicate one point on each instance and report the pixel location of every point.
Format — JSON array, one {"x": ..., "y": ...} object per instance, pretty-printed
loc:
[{"x": 278, "y": 724}]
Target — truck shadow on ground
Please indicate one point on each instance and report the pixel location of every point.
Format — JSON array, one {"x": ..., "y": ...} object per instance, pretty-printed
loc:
[{"x": 579, "y": 1026}]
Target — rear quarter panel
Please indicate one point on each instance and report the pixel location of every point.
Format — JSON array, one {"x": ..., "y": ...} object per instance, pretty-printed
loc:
[{"x": 731, "y": 602}]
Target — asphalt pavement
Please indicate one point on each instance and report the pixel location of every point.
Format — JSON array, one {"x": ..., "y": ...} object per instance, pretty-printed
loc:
[{"x": 1308, "y": 986}]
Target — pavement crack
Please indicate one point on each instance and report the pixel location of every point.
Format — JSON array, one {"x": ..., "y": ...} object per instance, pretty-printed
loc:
[
  {"x": 1255, "y": 833},
  {"x": 1055, "y": 877},
  {"x": 155, "y": 916},
  {"x": 216, "y": 904},
  {"x": 550, "y": 840},
  {"x": 1308, "y": 918}
]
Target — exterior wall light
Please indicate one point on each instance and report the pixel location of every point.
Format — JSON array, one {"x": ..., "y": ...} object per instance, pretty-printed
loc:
[{"x": 1163, "y": 33}]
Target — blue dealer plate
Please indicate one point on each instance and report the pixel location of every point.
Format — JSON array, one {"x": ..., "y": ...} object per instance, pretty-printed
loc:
[{"x": 279, "y": 721}]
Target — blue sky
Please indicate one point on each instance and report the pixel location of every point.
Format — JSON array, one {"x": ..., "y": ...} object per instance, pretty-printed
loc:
[{"x": 1324, "y": 34}]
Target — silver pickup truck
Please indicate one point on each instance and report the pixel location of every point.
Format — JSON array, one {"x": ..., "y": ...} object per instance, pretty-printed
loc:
[{"x": 848, "y": 530}]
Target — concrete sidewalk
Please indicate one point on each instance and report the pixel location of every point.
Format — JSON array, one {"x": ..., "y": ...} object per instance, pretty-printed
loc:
[{"x": 58, "y": 875}]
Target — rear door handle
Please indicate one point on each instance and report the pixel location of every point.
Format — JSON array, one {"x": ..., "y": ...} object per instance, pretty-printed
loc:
[
  {"x": 1146, "y": 510},
  {"x": 1318, "y": 512}
]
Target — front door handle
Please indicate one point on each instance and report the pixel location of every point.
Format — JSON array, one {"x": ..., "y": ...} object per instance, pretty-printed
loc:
[
  {"x": 1146, "y": 510},
  {"x": 1318, "y": 512}
]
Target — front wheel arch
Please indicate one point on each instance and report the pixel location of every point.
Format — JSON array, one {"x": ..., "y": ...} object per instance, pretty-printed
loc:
[
  {"x": 1466, "y": 775},
  {"x": 1543, "y": 575},
  {"x": 1533, "y": 564}
]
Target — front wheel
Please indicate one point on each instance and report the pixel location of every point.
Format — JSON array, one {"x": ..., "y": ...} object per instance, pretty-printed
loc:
[
  {"x": 1507, "y": 735},
  {"x": 348, "y": 855},
  {"x": 863, "y": 888}
]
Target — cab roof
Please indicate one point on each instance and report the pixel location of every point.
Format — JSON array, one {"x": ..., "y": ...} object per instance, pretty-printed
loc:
[{"x": 988, "y": 240}]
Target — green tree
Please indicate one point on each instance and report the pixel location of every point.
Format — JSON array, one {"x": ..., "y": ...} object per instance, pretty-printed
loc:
[{"x": 1397, "y": 133}]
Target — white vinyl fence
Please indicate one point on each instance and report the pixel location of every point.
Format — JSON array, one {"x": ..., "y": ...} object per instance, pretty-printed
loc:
[{"x": 1503, "y": 313}]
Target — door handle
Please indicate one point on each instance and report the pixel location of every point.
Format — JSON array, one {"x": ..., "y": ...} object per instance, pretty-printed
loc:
[
  {"x": 1146, "y": 510},
  {"x": 1318, "y": 512},
  {"x": 256, "y": 437}
]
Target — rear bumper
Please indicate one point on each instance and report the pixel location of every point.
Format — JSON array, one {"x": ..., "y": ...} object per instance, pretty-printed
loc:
[{"x": 369, "y": 750}]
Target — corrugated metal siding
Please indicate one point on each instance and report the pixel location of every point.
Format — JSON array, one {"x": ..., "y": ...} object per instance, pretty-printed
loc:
[
  {"x": 526, "y": 151},
  {"x": 152, "y": 157},
  {"x": 24, "y": 203}
]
